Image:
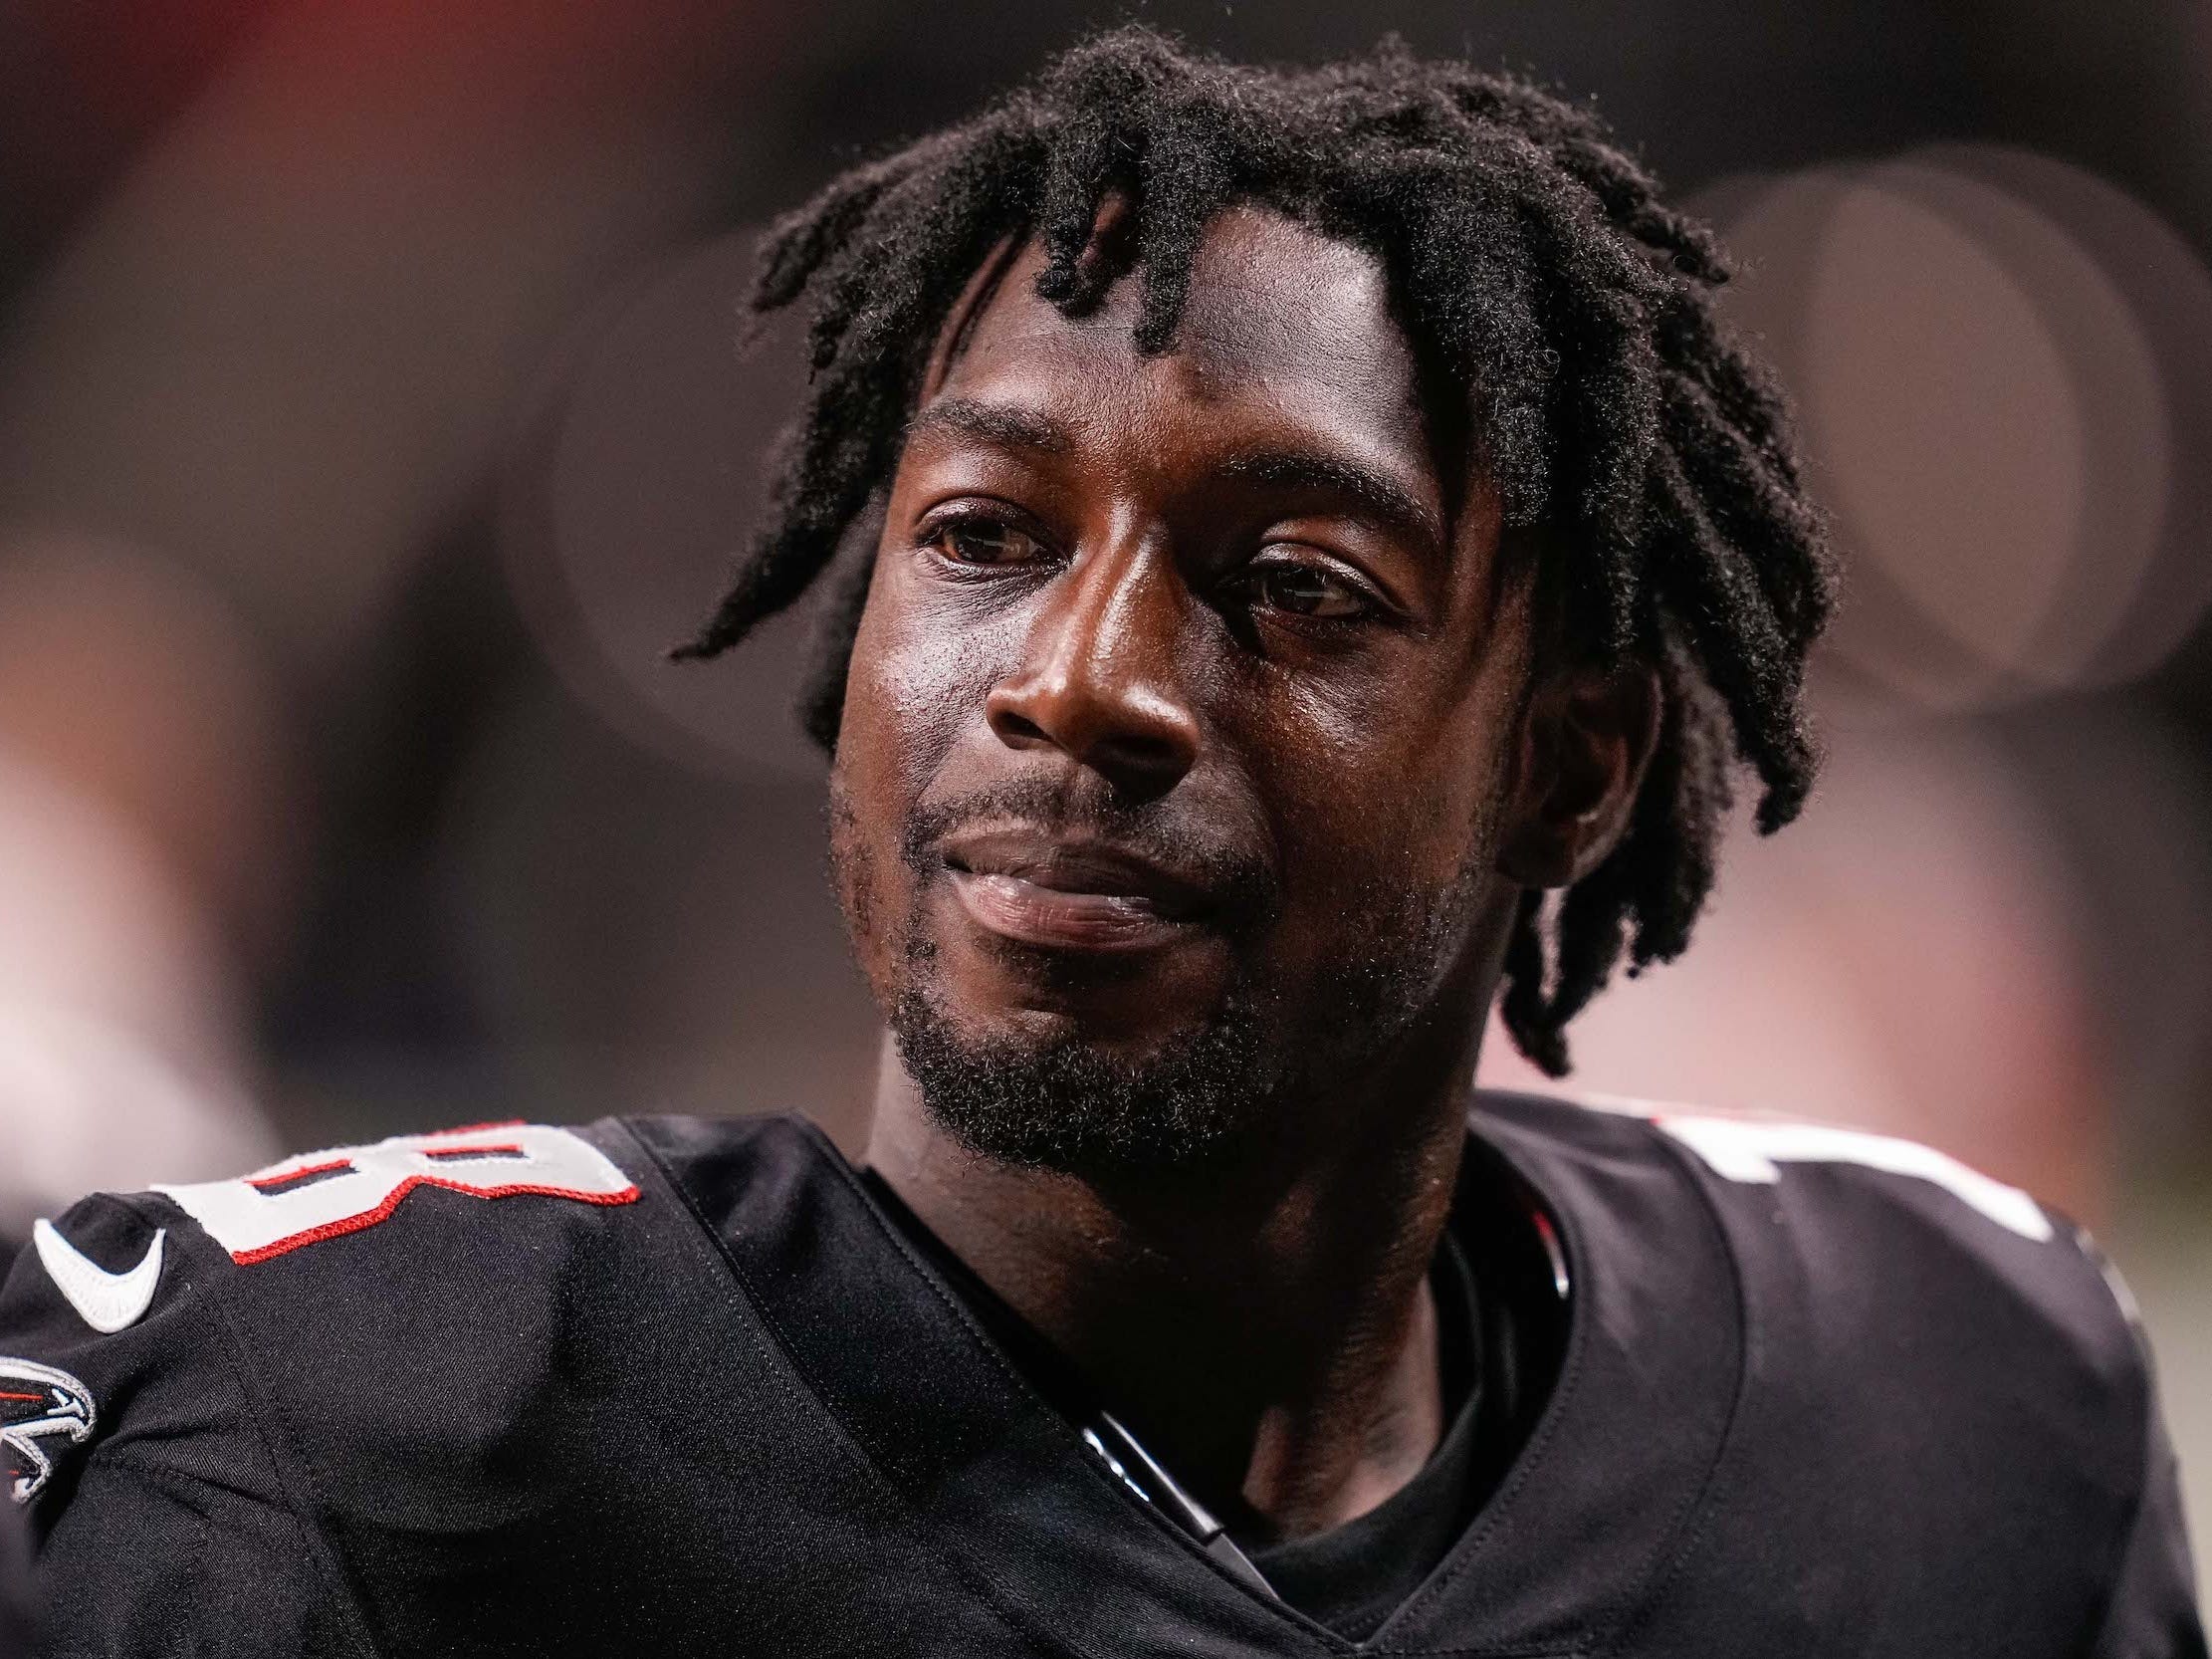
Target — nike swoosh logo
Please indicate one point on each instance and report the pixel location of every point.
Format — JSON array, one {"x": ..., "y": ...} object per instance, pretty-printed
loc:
[{"x": 106, "y": 1300}]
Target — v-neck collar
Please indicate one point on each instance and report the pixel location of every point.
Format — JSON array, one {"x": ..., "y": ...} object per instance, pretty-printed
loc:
[{"x": 1579, "y": 1529}]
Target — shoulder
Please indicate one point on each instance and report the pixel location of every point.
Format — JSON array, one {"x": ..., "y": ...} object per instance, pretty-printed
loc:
[
  {"x": 423, "y": 1289},
  {"x": 1930, "y": 1359},
  {"x": 1850, "y": 1227},
  {"x": 380, "y": 1388}
]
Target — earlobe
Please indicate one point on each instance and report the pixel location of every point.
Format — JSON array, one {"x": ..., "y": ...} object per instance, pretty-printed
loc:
[{"x": 1586, "y": 738}]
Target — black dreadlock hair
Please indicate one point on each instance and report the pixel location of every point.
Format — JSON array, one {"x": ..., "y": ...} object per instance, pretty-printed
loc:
[{"x": 1534, "y": 265}]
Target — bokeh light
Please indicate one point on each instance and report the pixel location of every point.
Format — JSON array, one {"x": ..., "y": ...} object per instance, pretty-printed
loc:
[
  {"x": 628, "y": 497},
  {"x": 1996, "y": 360}
]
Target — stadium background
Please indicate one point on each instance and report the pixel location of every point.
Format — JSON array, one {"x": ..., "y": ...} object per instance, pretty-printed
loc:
[{"x": 370, "y": 417}]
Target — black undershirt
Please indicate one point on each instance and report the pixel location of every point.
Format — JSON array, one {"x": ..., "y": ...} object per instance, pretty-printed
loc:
[
  {"x": 1353, "y": 1576},
  {"x": 1497, "y": 1347}
]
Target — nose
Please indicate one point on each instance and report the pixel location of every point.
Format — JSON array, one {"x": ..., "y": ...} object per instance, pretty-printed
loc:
[{"x": 1100, "y": 681}]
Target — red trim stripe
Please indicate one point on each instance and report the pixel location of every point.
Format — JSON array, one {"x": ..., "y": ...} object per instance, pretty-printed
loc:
[{"x": 382, "y": 1212}]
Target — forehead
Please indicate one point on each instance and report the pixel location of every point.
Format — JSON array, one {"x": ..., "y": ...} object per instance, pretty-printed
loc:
[{"x": 1280, "y": 318}]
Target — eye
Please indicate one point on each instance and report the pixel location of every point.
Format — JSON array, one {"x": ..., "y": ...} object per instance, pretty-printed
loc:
[
  {"x": 1299, "y": 589},
  {"x": 971, "y": 540}
]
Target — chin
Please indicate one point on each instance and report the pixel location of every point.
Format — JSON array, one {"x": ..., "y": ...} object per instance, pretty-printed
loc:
[{"x": 1046, "y": 1088}]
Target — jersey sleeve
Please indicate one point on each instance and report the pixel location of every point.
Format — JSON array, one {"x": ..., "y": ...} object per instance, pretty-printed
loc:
[
  {"x": 2153, "y": 1612},
  {"x": 144, "y": 1562},
  {"x": 137, "y": 1460},
  {"x": 15, "y": 1585}
]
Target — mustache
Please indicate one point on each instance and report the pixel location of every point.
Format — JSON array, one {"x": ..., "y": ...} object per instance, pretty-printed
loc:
[{"x": 1237, "y": 883}]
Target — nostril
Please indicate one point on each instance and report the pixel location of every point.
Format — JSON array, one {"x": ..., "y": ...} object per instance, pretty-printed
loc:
[
  {"x": 1136, "y": 765},
  {"x": 1014, "y": 728}
]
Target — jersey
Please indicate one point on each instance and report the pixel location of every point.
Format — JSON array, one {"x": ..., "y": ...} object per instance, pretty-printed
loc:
[
  {"x": 15, "y": 1586},
  {"x": 680, "y": 1387}
]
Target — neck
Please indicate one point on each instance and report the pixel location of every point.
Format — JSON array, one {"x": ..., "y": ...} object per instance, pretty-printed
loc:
[{"x": 1266, "y": 1331}]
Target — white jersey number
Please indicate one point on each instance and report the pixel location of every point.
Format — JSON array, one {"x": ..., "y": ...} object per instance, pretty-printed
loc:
[
  {"x": 321, "y": 1195},
  {"x": 1751, "y": 1148}
]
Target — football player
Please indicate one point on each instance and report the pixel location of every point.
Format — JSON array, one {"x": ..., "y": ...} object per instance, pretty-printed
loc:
[{"x": 1280, "y": 527}]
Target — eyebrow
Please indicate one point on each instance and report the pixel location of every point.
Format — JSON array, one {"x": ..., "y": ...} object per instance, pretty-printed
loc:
[
  {"x": 999, "y": 424},
  {"x": 1381, "y": 495},
  {"x": 1013, "y": 428}
]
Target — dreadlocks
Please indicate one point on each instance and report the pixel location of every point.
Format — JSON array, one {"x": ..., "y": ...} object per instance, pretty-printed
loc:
[{"x": 1534, "y": 265}]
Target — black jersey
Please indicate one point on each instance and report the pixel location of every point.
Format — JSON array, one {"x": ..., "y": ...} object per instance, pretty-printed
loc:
[
  {"x": 15, "y": 1585},
  {"x": 676, "y": 1387}
]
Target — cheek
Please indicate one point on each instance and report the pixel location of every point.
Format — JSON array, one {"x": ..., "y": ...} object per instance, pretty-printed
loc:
[
  {"x": 1381, "y": 790},
  {"x": 910, "y": 691},
  {"x": 853, "y": 868},
  {"x": 917, "y": 681},
  {"x": 872, "y": 792}
]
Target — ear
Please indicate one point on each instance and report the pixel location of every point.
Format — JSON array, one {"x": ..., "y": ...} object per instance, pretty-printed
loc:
[{"x": 1587, "y": 736}]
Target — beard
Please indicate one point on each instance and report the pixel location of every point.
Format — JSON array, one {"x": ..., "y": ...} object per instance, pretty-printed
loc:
[
  {"x": 1236, "y": 1074},
  {"x": 1067, "y": 1104}
]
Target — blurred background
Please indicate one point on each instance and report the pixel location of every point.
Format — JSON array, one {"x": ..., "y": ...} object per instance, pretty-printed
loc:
[{"x": 370, "y": 417}]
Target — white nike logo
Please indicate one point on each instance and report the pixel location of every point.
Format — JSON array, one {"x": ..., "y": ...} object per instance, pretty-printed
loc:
[{"x": 108, "y": 1301}]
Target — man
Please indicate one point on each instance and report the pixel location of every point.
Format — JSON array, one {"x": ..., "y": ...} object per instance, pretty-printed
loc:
[{"x": 1281, "y": 526}]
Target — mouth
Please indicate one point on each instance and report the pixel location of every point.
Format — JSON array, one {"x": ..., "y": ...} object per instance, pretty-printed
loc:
[{"x": 1071, "y": 894}]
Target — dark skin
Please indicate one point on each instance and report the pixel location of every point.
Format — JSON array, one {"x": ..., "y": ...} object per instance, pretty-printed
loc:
[{"x": 1232, "y": 586}]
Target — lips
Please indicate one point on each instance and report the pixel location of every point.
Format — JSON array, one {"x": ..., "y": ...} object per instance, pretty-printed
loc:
[{"x": 1072, "y": 894}]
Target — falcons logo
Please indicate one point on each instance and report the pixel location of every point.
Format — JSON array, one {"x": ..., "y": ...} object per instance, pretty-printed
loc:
[{"x": 38, "y": 1403}]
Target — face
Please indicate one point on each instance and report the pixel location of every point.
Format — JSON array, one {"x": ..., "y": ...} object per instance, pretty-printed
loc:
[{"x": 1180, "y": 732}]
